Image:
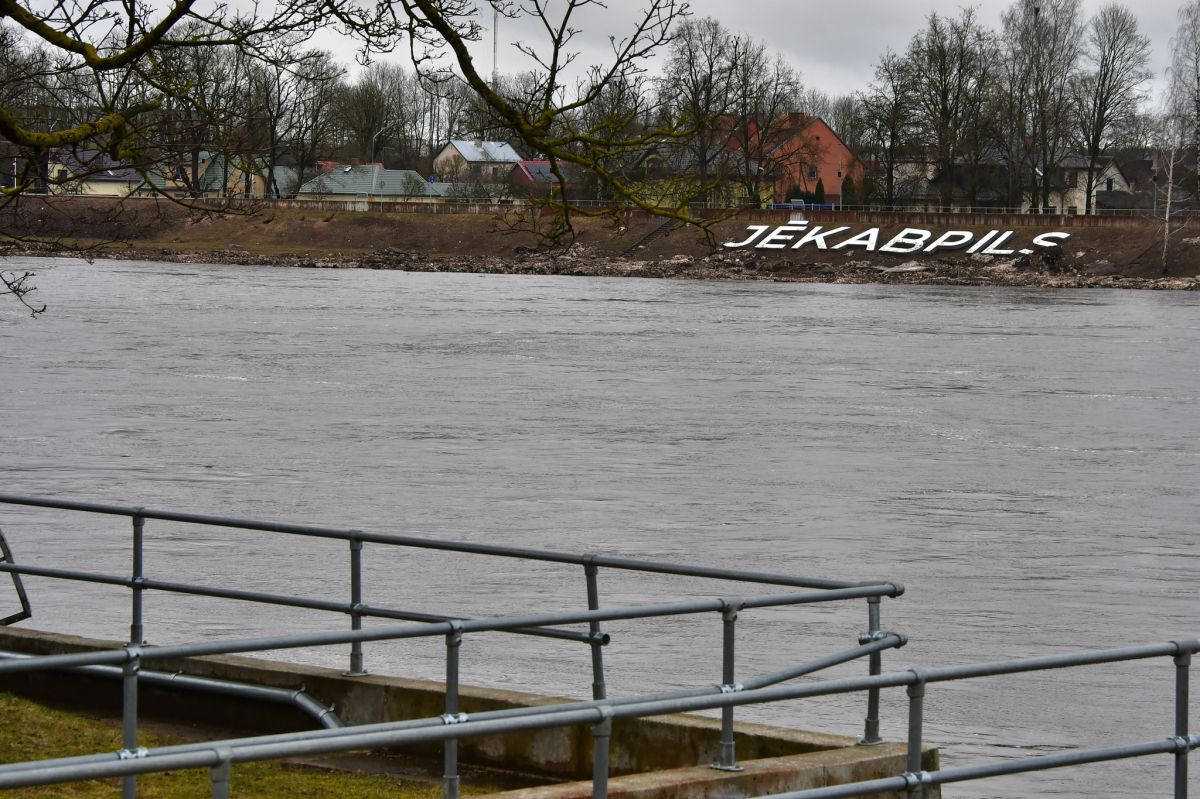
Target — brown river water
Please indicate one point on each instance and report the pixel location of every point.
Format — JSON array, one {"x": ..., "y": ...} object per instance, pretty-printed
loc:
[{"x": 1024, "y": 460}]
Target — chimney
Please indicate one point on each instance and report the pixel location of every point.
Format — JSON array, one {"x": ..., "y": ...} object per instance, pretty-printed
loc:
[
  {"x": 479, "y": 142},
  {"x": 353, "y": 162}
]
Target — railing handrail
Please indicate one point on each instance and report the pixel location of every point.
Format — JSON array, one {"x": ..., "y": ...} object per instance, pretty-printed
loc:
[
  {"x": 427, "y": 630},
  {"x": 600, "y": 712},
  {"x": 544, "y": 625},
  {"x": 390, "y": 734},
  {"x": 520, "y": 553}
]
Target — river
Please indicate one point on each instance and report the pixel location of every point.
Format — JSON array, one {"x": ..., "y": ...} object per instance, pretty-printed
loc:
[{"x": 1024, "y": 460}]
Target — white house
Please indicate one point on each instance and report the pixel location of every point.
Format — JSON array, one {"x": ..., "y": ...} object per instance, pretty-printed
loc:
[
  {"x": 90, "y": 172},
  {"x": 475, "y": 161}
]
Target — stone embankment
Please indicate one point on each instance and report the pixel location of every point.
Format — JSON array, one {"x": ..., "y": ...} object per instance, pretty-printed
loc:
[{"x": 1042, "y": 270}]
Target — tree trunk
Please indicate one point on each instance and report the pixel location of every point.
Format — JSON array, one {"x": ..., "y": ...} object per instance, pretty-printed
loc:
[
  {"x": 1090, "y": 186},
  {"x": 1167, "y": 213}
]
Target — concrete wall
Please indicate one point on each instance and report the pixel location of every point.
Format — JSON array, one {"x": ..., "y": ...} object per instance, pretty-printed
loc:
[{"x": 676, "y": 748}]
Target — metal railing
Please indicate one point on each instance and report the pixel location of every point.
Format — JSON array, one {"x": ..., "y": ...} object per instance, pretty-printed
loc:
[
  {"x": 872, "y": 643},
  {"x": 219, "y": 756},
  {"x": 601, "y": 712}
]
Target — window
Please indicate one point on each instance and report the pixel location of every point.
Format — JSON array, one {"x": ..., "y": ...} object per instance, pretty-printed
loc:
[
  {"x": 1108, "y": 184},
  {"x": 812, "y": 172},
  {"x": 1072, "y": 180},
  {"x": 839, "y": 174},
  {"x": 1072, "y": 210}
]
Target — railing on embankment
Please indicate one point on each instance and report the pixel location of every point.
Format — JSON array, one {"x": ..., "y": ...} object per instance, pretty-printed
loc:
[
  {"x": 970, "y": 218},
  {"x": 599, "y": 713}
]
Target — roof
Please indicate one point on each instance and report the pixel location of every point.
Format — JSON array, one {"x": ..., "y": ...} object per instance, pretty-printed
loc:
[
  {"x": 468, "y": 191},
  {"x": 486, "y": 152},
  {"x": 94, "y": 165},
  {"x": 369, "y": 179},
  {"x": 539, "y": 172},
  {"x": 792, "y": 125}
]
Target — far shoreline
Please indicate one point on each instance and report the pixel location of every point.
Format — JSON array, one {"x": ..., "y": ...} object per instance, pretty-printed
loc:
[
  {"x": 1045, "y": 252},
  {"x": 737, "y": 265}
]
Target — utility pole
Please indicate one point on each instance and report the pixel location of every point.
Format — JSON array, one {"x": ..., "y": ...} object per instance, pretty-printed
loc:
[{"x": 495, "y": 46}]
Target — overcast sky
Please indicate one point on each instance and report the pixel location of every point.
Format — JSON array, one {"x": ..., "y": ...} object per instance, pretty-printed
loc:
[{"x": 834, "y": 45}]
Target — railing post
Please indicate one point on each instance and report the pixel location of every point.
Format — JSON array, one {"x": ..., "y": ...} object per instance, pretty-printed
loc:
[
  {"x": 221, "y": 773},
  {"x": 136, "y": 630},
  {"x": 129, "y": 711},
  {"x": 601, "y": 736},
  {"x": 727, "y": 756},
  {"x": 916, "y": 719},
  {"x": 1183, "y": 662},
  {"x": 356, "y": 654},
  {"x": 450, "y": 748},
  {"x": 874, "y": 667},
  {"x": 593, "y": 597}
]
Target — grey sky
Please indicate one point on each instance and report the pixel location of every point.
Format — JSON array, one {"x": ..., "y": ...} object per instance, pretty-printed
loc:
[{"x": 834, "y": 45}]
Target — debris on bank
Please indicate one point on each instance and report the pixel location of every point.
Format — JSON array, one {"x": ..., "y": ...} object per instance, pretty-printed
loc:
[{"x": 1048, "y": 269}]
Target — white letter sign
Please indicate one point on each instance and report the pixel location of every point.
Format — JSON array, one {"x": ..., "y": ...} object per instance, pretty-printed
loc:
[
  {"x": 1047, "y": 239},
  {"x": 818, "y": 238},
  {"x": 908, "y": 240},
  {"x": 731, "y": 245},
  {"x": 866, "y": 240},
  {"x": 780, "y": 236},
  {"x": 951, "y": 240}
]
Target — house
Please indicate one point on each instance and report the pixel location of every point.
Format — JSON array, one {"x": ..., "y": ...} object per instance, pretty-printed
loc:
[
  {"x": 368, "y": 181},
  {"x": 475, "y": 161},
  {"x": 772, "y": 162},
  {"x": 1112, "y": 187},
  {"x": 234, "y": 177},
  {"x": 535, "y": 179},
  {"x": 805, "y": 150},
  {"x": 472, "y": 192},
  {"x": 90, "y": 172},
  {"x": 669, "y": 175},
  {"x": 1148, "y": 179},
  {"x": 179, "y": 175}
]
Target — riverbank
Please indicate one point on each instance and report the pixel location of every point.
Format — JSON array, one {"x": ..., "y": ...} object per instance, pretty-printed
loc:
[
  {"x": 1086, "y": 257},
  {"x": 579, "y": 261}
]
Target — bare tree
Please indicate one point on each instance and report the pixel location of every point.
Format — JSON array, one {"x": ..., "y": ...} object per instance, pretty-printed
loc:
[
  {"x": 1043, "y": 43},
  {"x": 847, "y": 119},
  {"x": 696, "y": 91},
  {"x": 1174, "y": 130},
  {"x": 888, "y": 118},
  {"x": 1115, "y": 62},
  {"x": 764, "y": 94},
  {"x": 118, "y": 37},
  {"x": 815, "y": 102},
  {"x": 1185, "y": 66},
  {"x": 951, "y": 64},
  {"x": 369, "y": 109},
  {"x": 318, "y": 83}
]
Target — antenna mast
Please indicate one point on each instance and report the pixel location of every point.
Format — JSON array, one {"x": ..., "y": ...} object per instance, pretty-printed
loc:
[{"x": 495, "y": 45}]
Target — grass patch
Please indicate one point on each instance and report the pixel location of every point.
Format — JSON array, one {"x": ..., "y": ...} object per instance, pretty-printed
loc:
[{"x": 30, "y": 731}]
